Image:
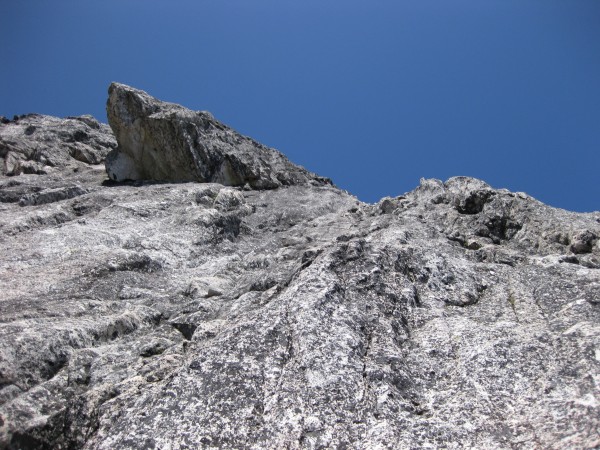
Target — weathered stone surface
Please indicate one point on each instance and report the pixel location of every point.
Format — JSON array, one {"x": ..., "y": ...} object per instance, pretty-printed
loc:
[
  {"x": 198, "y": 315},
  {"x": 167, "y": 142},
  {"x": 584, "y": 241},
  {"x": 35, "y": 143}
]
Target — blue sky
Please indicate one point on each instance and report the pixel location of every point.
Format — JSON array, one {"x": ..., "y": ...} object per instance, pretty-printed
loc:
[{"x": 373, "y": 94}]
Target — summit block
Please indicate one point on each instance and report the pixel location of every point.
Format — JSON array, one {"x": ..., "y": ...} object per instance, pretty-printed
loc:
[{"x": 166, "y": 142}]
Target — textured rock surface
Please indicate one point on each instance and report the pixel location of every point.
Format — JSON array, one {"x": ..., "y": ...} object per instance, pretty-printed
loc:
[
  {"x": 198, "y": 315},
  {"x": 167, "y": 142},
  {"x": 38, "y": 144}
]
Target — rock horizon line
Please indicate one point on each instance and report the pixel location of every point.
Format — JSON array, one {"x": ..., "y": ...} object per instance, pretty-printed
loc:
[{"x": 168, "y": 283}]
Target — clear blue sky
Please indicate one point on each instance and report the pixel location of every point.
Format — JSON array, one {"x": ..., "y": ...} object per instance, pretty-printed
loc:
[{"x": 373, "y": 94}]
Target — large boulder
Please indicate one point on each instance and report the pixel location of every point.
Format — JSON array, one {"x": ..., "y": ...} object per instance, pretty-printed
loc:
[{"x": 166, "y": 142}]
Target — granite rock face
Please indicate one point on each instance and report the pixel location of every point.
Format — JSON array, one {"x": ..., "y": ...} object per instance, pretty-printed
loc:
[
  {"x": 38, "y": 144},
  {"x": 198, "y": 315},
  {"x": 166, "y": 142}
]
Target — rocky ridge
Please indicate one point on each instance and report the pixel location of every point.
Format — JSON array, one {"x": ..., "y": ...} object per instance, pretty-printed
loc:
[{"x": 269, "y": 309}]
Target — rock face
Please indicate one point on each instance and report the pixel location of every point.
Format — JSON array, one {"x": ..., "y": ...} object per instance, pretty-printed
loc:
[
  {"x": 38, "y": 144},
  {"x": 167, "y": 142},
  {"x": 197, "y": 315}
]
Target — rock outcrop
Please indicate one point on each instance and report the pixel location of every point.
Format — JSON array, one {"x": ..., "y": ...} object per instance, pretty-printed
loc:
[
  {"x": 198, "y": 315},
  {"x": 38, "y": 144},
  {"x": 166, "y": 142}
]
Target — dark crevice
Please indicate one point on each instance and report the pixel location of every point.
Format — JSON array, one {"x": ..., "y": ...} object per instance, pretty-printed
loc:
[{"x": 186, "y": 329}]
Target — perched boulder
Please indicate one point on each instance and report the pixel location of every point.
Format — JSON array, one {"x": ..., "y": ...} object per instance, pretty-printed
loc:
[{"x": 167, "y": 142}]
